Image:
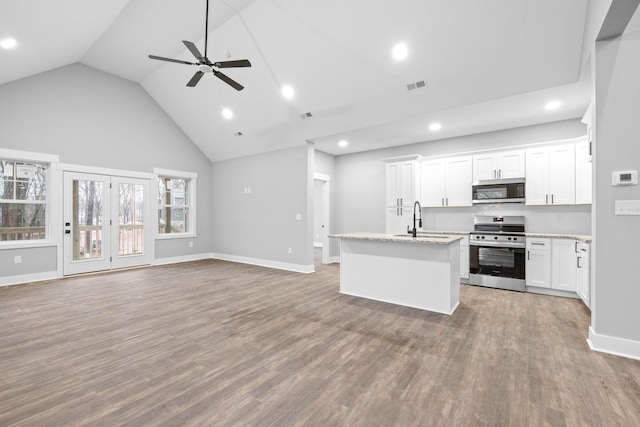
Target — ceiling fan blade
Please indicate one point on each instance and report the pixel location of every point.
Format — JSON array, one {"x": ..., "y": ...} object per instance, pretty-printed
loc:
[
  {"x": 230, "y": 64},
  {"x": 195, "y": 79},
  {"x": 177, "y": 61},
  {"x": 194, "y": 50},
  {"x": 234, "y": 84}
]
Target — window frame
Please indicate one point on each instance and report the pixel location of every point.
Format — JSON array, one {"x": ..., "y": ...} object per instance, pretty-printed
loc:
[
  {"x": 192, "y": 178},
  {"x": 51, "y": 163}
]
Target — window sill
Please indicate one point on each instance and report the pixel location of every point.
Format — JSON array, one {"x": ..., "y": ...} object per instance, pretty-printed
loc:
[
  {"x": 175, "y": 236},
  {"x": 26, "y": 244}
]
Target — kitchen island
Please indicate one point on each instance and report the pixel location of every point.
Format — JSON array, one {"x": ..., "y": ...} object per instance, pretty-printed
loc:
[{"x": 421, "y": 272}]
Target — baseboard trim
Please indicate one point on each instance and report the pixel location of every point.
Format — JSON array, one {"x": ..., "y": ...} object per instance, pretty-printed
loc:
[
  {"x": 184, "y": 258},
  {"x": 334, "y": 260},
  {"x": 297, "y": 268},
  {"x": 552, "y": 292},
  {"x": 613, "y": 345},
  {"x": 24, "y": 279}
]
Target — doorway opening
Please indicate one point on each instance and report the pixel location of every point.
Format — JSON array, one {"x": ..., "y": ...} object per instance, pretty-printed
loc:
[{"x": 321, "y": 216}]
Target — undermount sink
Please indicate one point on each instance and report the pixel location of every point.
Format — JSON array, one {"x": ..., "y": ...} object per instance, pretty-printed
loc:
[{"x": 421, "y": 235}]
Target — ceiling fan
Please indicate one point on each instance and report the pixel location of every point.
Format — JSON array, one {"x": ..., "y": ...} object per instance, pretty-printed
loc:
[{"x": 204, "y": 64}]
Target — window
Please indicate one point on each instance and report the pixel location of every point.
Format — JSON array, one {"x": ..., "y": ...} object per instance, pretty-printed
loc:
[
  {"x": 176, "y": 203},
  {"x": 23, "y": 200}
]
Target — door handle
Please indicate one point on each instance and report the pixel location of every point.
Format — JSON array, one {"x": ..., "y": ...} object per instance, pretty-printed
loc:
[
  {"x": 67, "y": 231},
  {"x": 552, "y": 199},
  {"x": 546, "y": 199}
]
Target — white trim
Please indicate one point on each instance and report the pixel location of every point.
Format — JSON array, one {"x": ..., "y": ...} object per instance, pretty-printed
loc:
[
  {"x": 321, "y": 177},
  {"x": 334, "y": 260},
  {"x": 298, "y": 268},
  {"x": 614, "y": 345},
  {"x": 27, "y": 244},
  {"x": 192, "y": 177},
  {"x": 24, "y": 279},
  {"x": 552, "y": 292},
  {"x": 184, "y": 258},
  {"x": 175, "y": 174},
  {"x": 6, "y": 153},
  {"x": 168, "y": 236},
  {"x": 65, "y": 167}
]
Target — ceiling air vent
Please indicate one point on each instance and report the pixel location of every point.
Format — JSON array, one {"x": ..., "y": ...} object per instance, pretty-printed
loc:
[
  {"x": 306, "y": 115},
  {"x": 414, "y": 86},
  {"x": 238, "y": 133}
]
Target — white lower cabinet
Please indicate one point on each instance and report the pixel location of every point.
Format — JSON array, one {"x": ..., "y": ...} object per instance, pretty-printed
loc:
[
  {"x": 538, "y": 263},
  {"x": 563, "y": 264},
  {"x": 583, "y": 272},
  {"x": 464, "y": 257}
]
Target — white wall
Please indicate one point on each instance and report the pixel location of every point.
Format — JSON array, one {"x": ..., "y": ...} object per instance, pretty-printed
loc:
[
  {"x": 259, "y": 227},
  {"x": 616, "y": 316},
  {"x": 92, "y": 118},
  {"x": 360, "y": 196}
]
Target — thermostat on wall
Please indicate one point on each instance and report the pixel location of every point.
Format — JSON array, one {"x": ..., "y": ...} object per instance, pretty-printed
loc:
[{"x": 624, "y": 178}]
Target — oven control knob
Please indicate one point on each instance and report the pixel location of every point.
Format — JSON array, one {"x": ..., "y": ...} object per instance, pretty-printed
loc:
[
  {"x": 509, "y": 238},
  {"x": 515, "y": 238},
  {"x": 495, "y": 238},
  {"x": 482, "y": 237}
]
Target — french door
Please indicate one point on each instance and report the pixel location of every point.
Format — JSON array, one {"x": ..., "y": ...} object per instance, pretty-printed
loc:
[{"x": 106, "y": 222}]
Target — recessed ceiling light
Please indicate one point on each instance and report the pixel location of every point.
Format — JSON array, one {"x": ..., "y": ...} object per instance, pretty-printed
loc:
[
  {"x": 435, "y": 127},
  {"x": 553, "y": 105},
  {"x": 227, "y": 113},
  {"x": 400, "y": 51},
  {"x": 287, "y": 91},
  {"x": 8, "y": 43},
  {"x": 343, "y": 143}
]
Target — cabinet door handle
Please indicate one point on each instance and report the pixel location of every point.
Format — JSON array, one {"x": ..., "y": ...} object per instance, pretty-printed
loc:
[
  {"x": 443, "y": 201},
  {"x": 401, "y": 203},
  {"x": 575, "y": 248},
  {"x": 447, "y": 201},
  {"x": 537, "y": 243},
  {"x": 546, "y": 199},
  {"x": 552, "y": 199},
  {"x": 578, "y": 262},
  {"x": 528, "y": 255},
  {"x": 397, "y": 211}
]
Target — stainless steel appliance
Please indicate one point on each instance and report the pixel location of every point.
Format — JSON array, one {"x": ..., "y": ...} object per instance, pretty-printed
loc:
[
  {"x": 498, "y": 191},
  {"x": 497, "y": 252}
]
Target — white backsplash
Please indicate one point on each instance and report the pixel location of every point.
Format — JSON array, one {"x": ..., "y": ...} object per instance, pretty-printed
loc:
[{"x": 542, "y": 219}]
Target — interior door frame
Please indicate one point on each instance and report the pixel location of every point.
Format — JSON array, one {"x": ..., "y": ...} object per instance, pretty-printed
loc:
[
  {"x": 326, "y": 215},
  {"x": 150, "y": 207}
]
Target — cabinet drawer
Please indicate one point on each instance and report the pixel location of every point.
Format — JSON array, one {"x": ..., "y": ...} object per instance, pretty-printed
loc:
[{"x": 538, "y": 243}]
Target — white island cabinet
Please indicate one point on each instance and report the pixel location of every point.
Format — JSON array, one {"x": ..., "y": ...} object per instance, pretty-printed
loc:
[{"x": 422, "y": 272}]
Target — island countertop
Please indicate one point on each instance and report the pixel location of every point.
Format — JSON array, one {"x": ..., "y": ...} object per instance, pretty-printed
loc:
[{"x": 436, "y": 239}]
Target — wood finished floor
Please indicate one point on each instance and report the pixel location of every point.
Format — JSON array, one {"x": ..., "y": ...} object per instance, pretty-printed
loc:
[{"x": 214, "y": 343}]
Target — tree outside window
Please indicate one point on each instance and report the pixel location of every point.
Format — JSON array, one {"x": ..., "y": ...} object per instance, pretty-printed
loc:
[{"x": 22, "y": 200}]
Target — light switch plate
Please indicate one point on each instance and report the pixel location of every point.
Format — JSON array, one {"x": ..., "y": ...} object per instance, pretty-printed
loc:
[{"x": 627, "y": 207}]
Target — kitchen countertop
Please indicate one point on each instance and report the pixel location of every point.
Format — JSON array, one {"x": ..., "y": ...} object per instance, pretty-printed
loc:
[
  {"x": 442, "y": 238},
  {"x": 584, "y": 238}
]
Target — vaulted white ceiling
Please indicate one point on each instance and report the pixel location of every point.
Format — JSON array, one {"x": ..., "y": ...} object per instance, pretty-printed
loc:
[{"x": 488, "y": 65}]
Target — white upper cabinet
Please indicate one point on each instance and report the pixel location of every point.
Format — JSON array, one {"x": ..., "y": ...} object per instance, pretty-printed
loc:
[
  {"x": 446, "y": 182},
  {"x": 403, "y": 181},
  {"x": 551, "y": 175},
  {"x": 502, "y": 164},
  {"x": 583, "y": 173}
]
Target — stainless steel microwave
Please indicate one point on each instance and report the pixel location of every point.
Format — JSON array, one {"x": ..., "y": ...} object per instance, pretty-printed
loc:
[{"x": 499, "y": 191}]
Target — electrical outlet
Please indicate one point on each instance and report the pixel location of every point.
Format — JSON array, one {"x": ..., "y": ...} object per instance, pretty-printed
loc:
[
  {"x": 190, "y": 244},
  {"x": 298, "y": 217},
  {"x": 289, "y": 250},
  {"x": 18, "y": 259}
]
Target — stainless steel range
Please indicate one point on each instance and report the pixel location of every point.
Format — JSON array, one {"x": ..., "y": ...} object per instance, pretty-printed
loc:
[{"x": 497, "y": 252}]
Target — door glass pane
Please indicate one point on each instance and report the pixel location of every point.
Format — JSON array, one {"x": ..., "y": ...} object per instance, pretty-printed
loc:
[
  {"x": 87, "y": 219},
  {"x": 131, "y": 220}
]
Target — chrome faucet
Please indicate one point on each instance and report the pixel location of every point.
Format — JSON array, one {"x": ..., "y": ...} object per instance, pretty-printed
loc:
[{"x": 414, "y": 232}]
